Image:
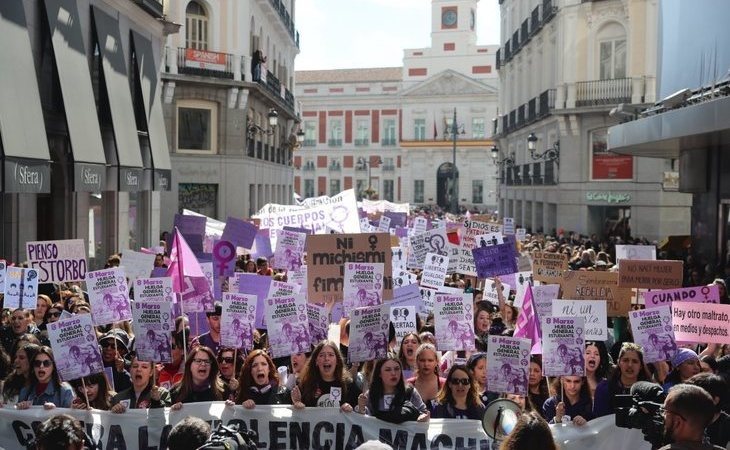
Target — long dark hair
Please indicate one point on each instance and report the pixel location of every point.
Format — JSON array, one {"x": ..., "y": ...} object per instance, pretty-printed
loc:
[
  {"x": 376, "y": 386},
  {"x": 544, "y": 391},
  {"x": 401, "y": 354},
  {"x": 604, "y": 366},
  {"x": 246, "y": 378},
  {"x": 104, "y": 396},
  {"x": 531, "y": 431},
  {"x": 446, "y": 397},
  {"x": 311, "y": 378},
  {"x": 629, "y": 347},
  {"x": 585, "y": 391},
  {"x": 185, "y": 386},
  {"x": 14, "y": 382},
  {"x": 55, "y": 379}
]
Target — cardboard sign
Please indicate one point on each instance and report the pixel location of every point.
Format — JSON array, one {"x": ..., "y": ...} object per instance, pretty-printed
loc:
[
  {"x": 57, "y": 261},
  {"x": 697, "y": 294},
  {"x": 585, "y": 285},
  {"x": 327, "y": 255},
  {"x": 548, "y": 267},
  {"x": 701, "y": 322},
  {"x": 648, "y": 274},
  {"x": 593, "y": 311}
]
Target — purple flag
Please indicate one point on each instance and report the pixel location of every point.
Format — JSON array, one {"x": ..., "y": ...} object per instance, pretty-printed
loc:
[{"x": 527, "y": 326}]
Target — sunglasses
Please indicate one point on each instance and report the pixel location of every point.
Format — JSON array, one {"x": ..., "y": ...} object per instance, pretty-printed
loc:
[
  {"x": 54, "y": 314},
  {"x": 460, "y": 381},
  {"x": 42, "y": 363},
  {"x": 226, "y": 360}
]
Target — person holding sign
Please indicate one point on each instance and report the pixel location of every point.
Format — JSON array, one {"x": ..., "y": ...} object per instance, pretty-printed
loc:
[
  {"x": 143, "y": 393},
  {"x": 324, "y": 381},
  {"x": 95, "y": 389},
  {"x": 389, "y": 398},
  {"x": 45, "y": 387},
  {"x": 260, "y": 383},
  {"x": 571, "y": 403},
  {"x": 629, "y": 370},
  {"x": 200, "y": 382},
  {"x": 458, "y": 398}
]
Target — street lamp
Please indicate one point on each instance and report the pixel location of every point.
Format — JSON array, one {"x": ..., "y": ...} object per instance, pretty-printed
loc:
[
  {"x": 362, "y": 162},
  {"x": 455, "y": 130},
  {"x": 507, "y": 161},
  {"x": 550, "y": 154},
  {"x": 254, "y": 129}
]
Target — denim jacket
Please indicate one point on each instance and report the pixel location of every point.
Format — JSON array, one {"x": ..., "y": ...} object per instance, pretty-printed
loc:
[{"x": 61, "y": 396}]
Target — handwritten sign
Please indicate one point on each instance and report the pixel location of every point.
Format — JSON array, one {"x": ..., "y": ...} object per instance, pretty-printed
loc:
[
  {"x": 584, "y": 285},
  {"x": 495, "y": 260},
  {"x": 474, "y": 228},
  {"x": 434, "y": 270},
  {"x": 701, "y": 322},
  {"x": 662, "y": 274},
  {"x": 548, "y": 267},
  {"x": 697, "y": 294},
  {"x": 593, "y": 311},
  {"x": 58, "y": 261}
]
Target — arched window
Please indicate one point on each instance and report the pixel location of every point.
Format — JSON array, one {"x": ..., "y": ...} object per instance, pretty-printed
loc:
[
  {"x": 196, "y": 26},
  {"x": 612, "y": 51}
]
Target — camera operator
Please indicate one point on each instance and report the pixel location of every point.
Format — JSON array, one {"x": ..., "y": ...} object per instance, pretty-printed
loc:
[
  {"x": 688, "y": 410},
  {"x": 718, "y": 431},
  {"x": 189, "y": 434}
]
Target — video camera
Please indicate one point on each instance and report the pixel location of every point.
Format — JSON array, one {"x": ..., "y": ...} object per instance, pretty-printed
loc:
[
  {"x": 641, "y": 409},
  {"x": 229, "y": 438}
]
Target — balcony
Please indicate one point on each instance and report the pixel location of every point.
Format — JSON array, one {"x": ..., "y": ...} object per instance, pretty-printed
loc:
[
  {"x": 527, "y": 29},
  {"x": 387, "y": 142},
  {"x": 204, "y": 63},
  {"x": 532, "y": 110},
  {"x": 153, "y": 7},
  {"x": 520, "y": 116},
  {"x": 497, "y": 58},
  {"x": 507, "y": 52},
  {"x": 273, "y": 85},
  {"x": 279, "y": 8},
  {"x": 388, "y": 168},
  {"x": 526, "y": 175},
  {"x": 535, "y": 22},
  {"x": 335, "y": 167},
  {"x": 516, "y": 41},
  {"x": 335, "y": 142},
  {"x": 535, "y": 109},
  {"x": 548, "y": 11},
  {"x": 524, "y": 31},
  {"x": 361, "y": 142},
  {"x": 546, "y": 103},
  {"x": 309, "y": 167},
  {"x": 603, "y": 92},
  {"x": 309, "y": 143}
]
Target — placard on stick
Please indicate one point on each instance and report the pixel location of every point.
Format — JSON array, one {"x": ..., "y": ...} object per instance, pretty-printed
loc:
[
  {"x": 648, "y": 274},
  {"x": 584, "y": 285}
]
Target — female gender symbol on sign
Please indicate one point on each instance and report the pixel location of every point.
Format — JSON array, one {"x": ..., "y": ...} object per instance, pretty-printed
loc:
[{"x": 224, "y": 253}]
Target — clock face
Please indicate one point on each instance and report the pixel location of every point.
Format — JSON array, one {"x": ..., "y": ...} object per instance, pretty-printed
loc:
[{"x": 448, "y": 18}]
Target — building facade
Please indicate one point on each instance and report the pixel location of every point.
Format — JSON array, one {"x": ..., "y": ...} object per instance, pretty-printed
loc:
[
  {"x": 229, "y": 68},
  {"x": 84, "y": 150},
  {"x": 564, "y": 65},
  {"x": 389, "y": 132}
]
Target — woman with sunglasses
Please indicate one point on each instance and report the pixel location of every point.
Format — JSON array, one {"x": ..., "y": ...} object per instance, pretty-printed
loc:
[
  {"x": 325, "y": 370},
  {"x": 427, "y": 380},
  {"x": 200, "y": 382},
  {"x": 45, "y": 387},
  {"x": 260, "y": 384},
  {"x": 389, "y": 398},
  {"x": 229, "y": 366},
  {"x": 143, "y": 393},
  {"x": 54, "y": 313},
  {"x": 407, "y": 353},
  {"x": 458, "y": 398},
  {"x": 19, "y": 378},
  {"x": 571, "y": 402},
  {"x": 98, "y": 392}
]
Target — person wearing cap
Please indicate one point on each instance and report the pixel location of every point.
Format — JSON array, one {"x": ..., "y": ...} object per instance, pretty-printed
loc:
[
  {"x": 685, "y": 365},
  {"x": 114, "y": 357},
  {"x": 212, "y": 338}
]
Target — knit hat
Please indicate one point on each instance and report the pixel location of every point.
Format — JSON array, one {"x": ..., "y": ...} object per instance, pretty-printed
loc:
[{"x": 683, "y": 355}]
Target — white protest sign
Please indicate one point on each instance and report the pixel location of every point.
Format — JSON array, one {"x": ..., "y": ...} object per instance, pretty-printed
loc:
[
  {"x": 153, "y": 289},
  {"x": 3, "y": 270},
  {"x": 363, "y": 285},
  {"x": 454, "y": 322},
  {"x": 286, "y": 322},
  {"x": 338, "y": 213},
  {"x": 108, "y": 295},
  {"x": 403, "y": 319},
  {"x": 237, "y": 320},
  {"x": 58, "y": 261},
  {"x": 489, "y": 239},
  {"x": 369, "y": 333},
  {"x": 644, "y": 252},
  {"x": 289, "y": 249},
  {"x": 153, "y": 325},
  {"x": 21, "y": 288},
  {"x": 593, "y": 311},
  {"x": 508, "y": 364},
  {"x": 652, "y": 329},
  {"x": 384, "y": 224},
  {"x": 75, "y": 348},
  {"x": 137, "y": 264},
  {"x": 434, "y": 270}
]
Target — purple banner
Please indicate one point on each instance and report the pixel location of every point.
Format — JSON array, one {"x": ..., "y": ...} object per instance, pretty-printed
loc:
[
  {"x": 697, "y": 294},
  {"x": 239, "y": 232},
  {"x": 495, "y": 260}
]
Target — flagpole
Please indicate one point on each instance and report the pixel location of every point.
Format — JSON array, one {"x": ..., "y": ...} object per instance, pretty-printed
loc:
[{"x": 180, "y": 280}]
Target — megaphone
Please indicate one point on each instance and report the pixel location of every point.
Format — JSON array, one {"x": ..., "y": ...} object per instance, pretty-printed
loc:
[{"x": 500, "y": 418}]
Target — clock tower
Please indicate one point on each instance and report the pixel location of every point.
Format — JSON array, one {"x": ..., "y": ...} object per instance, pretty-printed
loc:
[{"x": 453, "y": 24}]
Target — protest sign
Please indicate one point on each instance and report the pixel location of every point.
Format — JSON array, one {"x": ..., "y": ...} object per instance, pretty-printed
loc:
[
  {"x": 434, "y": 270},
  {"x": 473, "y": 228},
  {"x": 286, "y": 322},
  {"x": 224, "y": 259},
  {"x": 522, "y": 279},
  {"x": 542, "y": 299},
  {"x": 492, "y": 289},
  {"x": 251, "y": 283},
  {"x": 153, "y": 324},
  {"x": 548, "y": 267},
  {"x": 193, "y": 229},
  {"x": 495, "y": 260},
  {"x": 299, "y": 277},
  {"x": 428, "y": 297},
  {"x": 464, "y": 263},
  {"x": 593, "y": 311},
  {"x": 397, "y": 256},
  {"x": 363, "y": 285},
  {"x": 319, "y": 321},
  {"x": 652, "y": 329},
  {"x": 137, "y": 264},
  {"x": 403, "y": 278},
  {"x": 562, "y": 346},
  {"x": 57, "y": 261},
  {"x": 508, "y": 364},
  {"x": 239, "y": 232},
  {"x": 369, "y": 333},
  {"x": 233, "y": 285},
  {"x": 585, "y": 285},
  {"x": 384, "y": 224},
  {"x": 489, "y": 239},
  {"x": 289, "y": 249},
  {"x": 662, "y": 274},
  {"x": 521, "y": 234},
  {"x": 420, "y": 225},
  {"x": 153, "y": 289},
  {"x": 397, "y": 219},
  {"x": 433, "y": 241},
  {"x": 21, "y": 288},
  {"x": 3, "y": 270},
  {"x": 701, "y": 322},
  {"x": 75, "y": 349},
  {"x": 327, "y": 255},
  {"x": 403, "y": 319},
  {"x": 635, "y": 252},
  {"x": 338, "y": 213},
  {"x": 454, "y": 322},
  {"x": 108, "y": 295},
  {"x": 409, "y": 295},
  {"x": 697, "y": 294},
  {"x": 509, "y": 225},
  {"x": 384, "y": 206},
  {"x": 237, "y": 320}
]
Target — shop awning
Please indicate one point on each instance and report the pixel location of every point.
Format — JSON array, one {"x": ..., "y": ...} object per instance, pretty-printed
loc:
[
  {"x": 114, "y": 68},
  {"x": 26, "y": 160},
  {"x": 89, "y": 169},
  {"x": 149, "y": 78}
]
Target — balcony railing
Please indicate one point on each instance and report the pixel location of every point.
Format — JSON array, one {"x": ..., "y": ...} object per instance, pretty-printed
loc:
[
  {"x": 272, "y": 84},
  {"x": 309, "y": 167},
  {"x": 335, "y": 142},
  {"x": 520, "y": 116},
  {"x": 546, "y": 103},
  {"x": 153, "y": 7},
  {"x": 548, "y": 11},
  {"x": 388, "y": 168},
  {"x": 204, "y": 63},
  {"x": 603, "y": 92},
  {"x": 309, "y": 142},
  {"x": 279, "y": 6},
  {"x": 507, "y": 51},
  {"x": 535, "y": 109},
  {"x": 387, "y": 142},
  {"x": 335, "y": 167},
  {"x": 497, "y": 58},
  {"x": 524, "y": 31},
  {"x": 535, "y": 23},
  {"x": 361, "y": 142},
  {"x": 515, "y": 41},
  {"x": 532, "y": 110}
]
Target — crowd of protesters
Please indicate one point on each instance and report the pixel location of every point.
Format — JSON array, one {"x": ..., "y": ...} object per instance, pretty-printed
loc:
[{"x": 415, "y": 382}]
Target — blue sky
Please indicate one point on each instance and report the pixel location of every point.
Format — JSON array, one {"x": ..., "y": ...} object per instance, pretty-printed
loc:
[{"x": 345, "y": 34}]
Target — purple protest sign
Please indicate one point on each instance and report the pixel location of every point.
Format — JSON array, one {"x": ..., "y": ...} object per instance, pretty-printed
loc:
[
  {"x": 237, "y": 320},
  {"x": 318, "y": 322},
  {"x": 363, "y": 285},
  {"x": 397, "y": 219},
  {"x": 697, "y": 294},
  {"x": 652, "y": 329},
  {"x": 495, "y": 260},
  {"x": 197, "y": 295},
  {"x": 563, "y": 346},
  {"x": 369, "y": 333},
  {"x": 239, "y": 232},
  {"x": 258, "y": 285},
  {"x": 158, "y": 272},
  {"x": 508, "y": 361},
  {"x": 262, "y": 245},
  {"x": 108, "y": 295},
  {"x": 224, "y": 259},
  {"x": 153, "y": 325},
  {"x": 286, "y": 320},
  {"x": 289, "y": 250},
  {"x": 154, "y": 289},
  {"x": 298, "y": 230},
  {"x": 454, "y": 322},
  {"x": 75, "y": 348}
]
